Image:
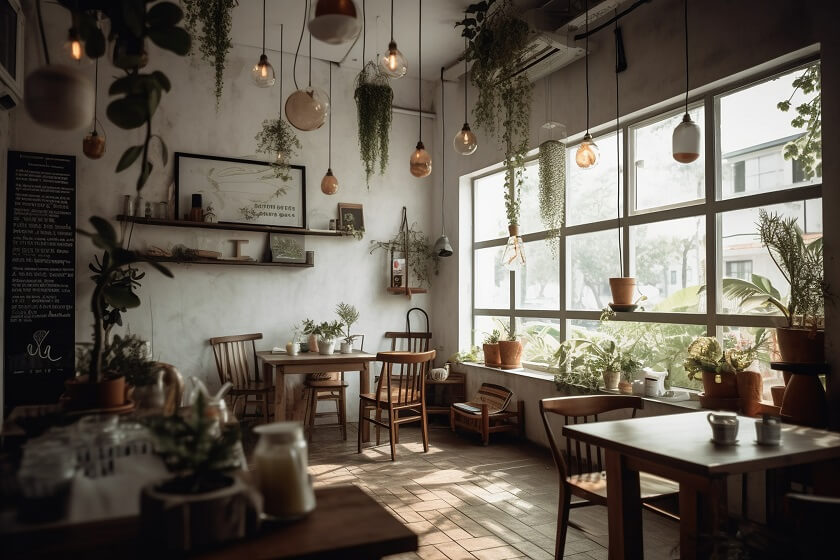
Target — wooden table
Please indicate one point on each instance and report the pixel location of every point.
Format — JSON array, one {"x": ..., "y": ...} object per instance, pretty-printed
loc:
[
  {"x": 678, "y": 447},
  {"x": 275, "y": 366},
  {"x": 347, "y": 523}
]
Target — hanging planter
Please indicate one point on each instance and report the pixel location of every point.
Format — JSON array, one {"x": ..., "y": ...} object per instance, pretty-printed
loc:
[
  {"x": 552, "y": 189},
  {"x": 417, "y": 254},
  {"x": 278, "y": 140},
  {"x": 209, "y": 21}
]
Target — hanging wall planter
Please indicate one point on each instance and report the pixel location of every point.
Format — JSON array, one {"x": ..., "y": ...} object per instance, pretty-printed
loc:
[
  {"x": 373, "y": 97},
  {"x": 552, "y": 166},
  {"x": 209, "y": 23}
]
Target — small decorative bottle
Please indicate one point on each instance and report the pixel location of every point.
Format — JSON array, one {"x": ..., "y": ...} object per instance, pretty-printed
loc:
[{"x": 148, "y": 211}]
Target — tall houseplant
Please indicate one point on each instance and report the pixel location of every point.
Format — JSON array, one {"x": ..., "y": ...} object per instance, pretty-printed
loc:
[
  {"x": 373, "y": 97},
  {"x": 210, "y": 22},
  {"x": 348, "y": 315}
]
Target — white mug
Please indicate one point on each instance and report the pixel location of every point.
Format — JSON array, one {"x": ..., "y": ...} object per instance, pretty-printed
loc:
[{"x": 724, "y": 427}]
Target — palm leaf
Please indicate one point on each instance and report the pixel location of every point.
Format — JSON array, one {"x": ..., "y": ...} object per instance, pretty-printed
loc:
[{"x": 752, "y": 296}]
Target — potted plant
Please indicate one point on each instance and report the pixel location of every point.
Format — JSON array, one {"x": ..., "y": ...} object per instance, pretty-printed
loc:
[
  {"x": 419, "y": 251},
  {"x": 575, "y": 376},
  {"x": 492, "y": 357},
  {"x": 348, "y": 314},
  {"x": 373, "y": 97},
  {"x": 471, "y": 355},
  {"x": 310, "y": 329},
  {"x": 203, "y": 504},
  {"x": 327, "y": 333},
  {"x": 278, "y": 141},
  {"x": 630, "y": 367},
  {"x": 510, "y": 349},
  {"x": 719, "y": 368}
]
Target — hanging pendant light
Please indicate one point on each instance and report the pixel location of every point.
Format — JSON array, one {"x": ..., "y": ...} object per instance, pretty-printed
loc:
[
  {"x": 263, "y": 73},
  {"x": 685, "y": 143},
  {"x": 307, "y": 109},
  {"x": 73, "y": 48},
  {"x": 393, "y": 61},
  {"x": 329, "y": 184},
  {"x": 420, "y": 163},
  {"x": 465, "y": 142},
  {"x": 334, "y": 21},
  {"x": 513, "y": 257},
  {"x": 587, "y": 154},
  {"x": 93, "y": 144},
  {"x": 442, "y": 246}
]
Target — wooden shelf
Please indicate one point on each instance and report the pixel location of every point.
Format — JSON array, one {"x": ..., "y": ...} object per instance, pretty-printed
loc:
[
  {"x": 401, "y": 290},
  {"x": 801, "y": 368},
  {"x": 229, "y": 227},
  {"x": 227, "y": 262}
]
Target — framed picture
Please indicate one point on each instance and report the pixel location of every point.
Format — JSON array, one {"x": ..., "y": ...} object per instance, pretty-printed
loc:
[
  {"x": 241, "y": 191},
  {"x": 287, "y": 248},
  {"x": 351, "y": 219}
]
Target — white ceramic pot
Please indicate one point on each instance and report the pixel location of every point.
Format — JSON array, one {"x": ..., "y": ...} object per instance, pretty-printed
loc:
[
  {"x": 59, "y": 97},
  {"x": 611, "y": 379},
  {"x": 346, "y": 347},
  {"x": 326, "y": 347}
]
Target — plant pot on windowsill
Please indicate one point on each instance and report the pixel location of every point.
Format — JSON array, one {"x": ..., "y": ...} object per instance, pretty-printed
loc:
[
  {"x": 492, "y": 357},
  {"x": 749, "y": 391},
  {"x": 800, "y": 345},
  {"x": 722, "y": 385},
  {"x": 623, "y": 289},
  {"x": 510, "y": 354},
  {"x": 81, "y": 394},
  {"x": 625, "y": 387},
  {"x": 611, "y": 380}
]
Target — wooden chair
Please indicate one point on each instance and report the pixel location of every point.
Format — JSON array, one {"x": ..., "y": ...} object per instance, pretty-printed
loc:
[
  {"x": 813, "y": 521},
  {"x": 233, "y": 354},
  {"x": 487, "y": 413},
  {"x": 405, "y": 341},
  {"x": 399, "y": 389},
  {"x": 583, "y": 475}
]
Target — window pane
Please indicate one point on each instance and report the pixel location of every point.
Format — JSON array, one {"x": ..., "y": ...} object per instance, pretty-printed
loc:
[
  {"x": 743, "y": 253},
  {"x": 660, "y": 346},
  {"x": 659, "y": 179},
  {"x": 538, "y": 284},
  {"x": 529, "y": 208},
  {"x": 740, "y": 337},
  {"x": 754, "y": 134},
  {"x": 489, "y": 210},
  {"x": 670, "y": 263},
  {"x": 540, "y": 340},
  {"x": 591, "y": 259},
  {"x": 483, "y": 325},
  {"x": 492, "y": 281},
  {"x": 591, "y": 194}
]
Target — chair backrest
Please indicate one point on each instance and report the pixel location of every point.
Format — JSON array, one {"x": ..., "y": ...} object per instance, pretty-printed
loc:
[
  {"x": 496, "y": 397},
  {"x": 577, "y": 410},
  {"x": 406, "y": 341},
  {"x": 232, "y": 354},
  {"x": 403, "y": 378},
  {"x": 814, "y": 520}
]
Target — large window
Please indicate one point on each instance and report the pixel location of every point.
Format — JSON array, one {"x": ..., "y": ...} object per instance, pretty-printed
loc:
[{"x": 679, "y": 229}]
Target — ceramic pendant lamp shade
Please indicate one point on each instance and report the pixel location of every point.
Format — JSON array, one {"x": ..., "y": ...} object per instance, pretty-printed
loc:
[
  {"x": 334, "y": 21},
  {"x": 587, "y": 155},
  {"x": 685, "y": 143},
  {"x": 263, "y": 72},
  {"x": 393, "y": 62}
]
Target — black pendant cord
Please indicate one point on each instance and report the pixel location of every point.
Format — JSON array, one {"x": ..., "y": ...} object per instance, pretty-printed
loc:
[
  {"x": 41, "y": 28},
  {"x": 618, "y": 158},
  {"x": 329, "y": 133},
  {"x": 466, "y": 78},
  {"x": 420, "y": 69},
  {"x": 310, "y": 59},
  {"x": 263, "y": 43},
  {"x": 300, "y": 40},
  {"x": 364, "y": 33},
  {"x": 281, "y": 71},
  {"x": 95, "y": 90},
  {"x": 686, "y": 55},
  {"x": 392, "y": 21},
  {"x": 586, "y": 61},
  {"x": 442, "y": 152}
]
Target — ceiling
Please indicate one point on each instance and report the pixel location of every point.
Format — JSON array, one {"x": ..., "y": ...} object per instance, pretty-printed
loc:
[{"x": 442, "y": 42}]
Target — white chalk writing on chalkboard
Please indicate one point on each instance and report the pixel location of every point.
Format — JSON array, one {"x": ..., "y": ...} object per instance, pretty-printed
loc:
[{"x": 39, "y": 337}]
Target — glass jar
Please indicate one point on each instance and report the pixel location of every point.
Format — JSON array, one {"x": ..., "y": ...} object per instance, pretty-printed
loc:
[
  {"x": 45, "y": 478},
  {"x": 280, "y": 464}
]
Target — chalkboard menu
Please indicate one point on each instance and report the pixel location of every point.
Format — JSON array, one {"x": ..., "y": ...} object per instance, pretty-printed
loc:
[{"x": 40, "y": 277}]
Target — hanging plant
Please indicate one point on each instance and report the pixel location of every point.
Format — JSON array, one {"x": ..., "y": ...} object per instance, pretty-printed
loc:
[
  {"x": 552, "y": 189},
  {"x": 209, "y": 21},
  {"x": 419, "y": 253},
  {"x": 278, "y": 140},
  {"x": 373, "y": 103},
  {"x": 497, "y": 39}
]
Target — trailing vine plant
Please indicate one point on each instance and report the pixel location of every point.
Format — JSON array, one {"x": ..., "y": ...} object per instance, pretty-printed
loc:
[
  {"x": 373, "y": 104},
  {"x": 278, "y": 141},
  {"x": 496, "y": 41},
  {"x": 807, "y": 149},
  {"x": 552, "y": 189},
  {"x": 209, "y": 21},
  {"x": 419, "y": 253}
]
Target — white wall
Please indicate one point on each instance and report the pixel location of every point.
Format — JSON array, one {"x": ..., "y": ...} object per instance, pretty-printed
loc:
[{"x": 179, "y": 315}]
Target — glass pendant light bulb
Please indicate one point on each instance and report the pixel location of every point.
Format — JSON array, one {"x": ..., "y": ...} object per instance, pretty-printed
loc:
[
  {"x": 587, "y": 155},
  {"x": 685, "y": 142},
  {"x": 420, "y": 162},
  {"x": 465, "y": 142},
  {"x": 307, "y": 109},
  {"x": 329, "y": 184},
  {"x": 334, "y": 21},
  {"x": 73, "y": 48},
  {"x": 393, "y": 62},
  {"x": 263, "y": 73},
  {"x": 513, "y": 257}
]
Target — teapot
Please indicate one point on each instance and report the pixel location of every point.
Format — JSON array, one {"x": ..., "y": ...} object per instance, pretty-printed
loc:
[{"x": 724, "y": 427}]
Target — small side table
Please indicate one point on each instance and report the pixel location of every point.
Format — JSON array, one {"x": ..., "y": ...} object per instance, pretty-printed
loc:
[
  {"x": 441, "y": 394},
  {"x": 804, "y": 402}
]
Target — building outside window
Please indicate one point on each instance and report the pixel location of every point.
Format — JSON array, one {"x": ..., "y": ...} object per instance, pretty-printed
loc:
[{"x": 680, "y": 233}]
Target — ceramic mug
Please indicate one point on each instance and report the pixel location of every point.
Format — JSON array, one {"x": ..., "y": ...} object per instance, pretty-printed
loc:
[
  {"x": 724, "y": 427},
  {"x": 769, "y": 430}
]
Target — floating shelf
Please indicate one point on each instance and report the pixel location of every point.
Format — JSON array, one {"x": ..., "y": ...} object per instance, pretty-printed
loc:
[
  {"x": 802, "y": 368},
  {"x": 227, "y": 262},
  {"x": 400, "y": 290},
  {"x": 229, "y": 227}
]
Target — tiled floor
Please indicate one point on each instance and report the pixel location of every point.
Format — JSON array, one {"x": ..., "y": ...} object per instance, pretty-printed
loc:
[{"x": 470, "y": 501}]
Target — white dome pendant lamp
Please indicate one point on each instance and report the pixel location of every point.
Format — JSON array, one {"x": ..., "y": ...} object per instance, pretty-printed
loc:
[
  {"x": 587, "y": 155},
  {"x": 420, "y": 163},
  {"x": 307, "y": 108},
  {"x": 334, "y": 21},
  {"x": 443, "y": 248},
  {"x": 263, "y": 72},
  {"x": 329, "y": 184},
  {"x": 393, "y": 62},
  {"x": 686, "y": 139}
]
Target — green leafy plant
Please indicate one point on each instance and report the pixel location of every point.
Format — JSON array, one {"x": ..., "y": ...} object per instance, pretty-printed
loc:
[
  {"x": 471, "y": 355},
  {"x": 350, "y": 229},
  {"x": 573, "y": 367},
  {"x": 800, "y": 263},
  {"x": 210, "y": 21},
  {"x": 492, "y": 337},
  {"x": 630, "y": 366},
  {"x": 807, "y": 149},
  {"x": 706, "y": 354},
  {"x": 508, "y": 328},
  {"x": 420, "y": 254},
  {"x": 348, "y": 314},
  {"x": 196, "y": 449},
  {"x": 278, "y": 140},
  {"x": 308, "y": 327},
  {"x": 329, "y": 330},
  {"x": 373, "y": 97},
  {"x": 125, "y": 355},
  {"x": 552, "y": 189},
  {"x": 497, "y": 39}
]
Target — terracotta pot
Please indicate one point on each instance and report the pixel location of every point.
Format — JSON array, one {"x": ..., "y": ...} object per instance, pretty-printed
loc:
[
  {"x": 625, "y": 387},
  {"x": 611, "y": 380},
  {"x": 491, "y": 355},
  {"x": 804, "y": 402},
  {"x": 720, "y": 385},
  {"x": 510, "y": 354},
  {"x": 623, "y": 290},
  {"x": 81, "y": 394},
  {"x": 313, "y": 343},
  {"x": 800, "y": 345},
  {"x": 749, "y": 390},
  {"x": 778, "y": 394}
]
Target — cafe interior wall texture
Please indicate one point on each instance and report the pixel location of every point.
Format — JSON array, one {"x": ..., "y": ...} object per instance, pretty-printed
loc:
[
  {"x": 726, "y": 38},
  {"x": 179, "y": 315}
]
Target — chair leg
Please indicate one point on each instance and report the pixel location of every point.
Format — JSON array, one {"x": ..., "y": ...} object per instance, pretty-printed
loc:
[
  {"x": 424, "y": 427},
  {"x": 313, "y": 410},
  {"x": 392, "y": 428},
  {"x": 485, "y": 425},
  {"x": 361, "y": 421},
  {"x": 378, "y": 419},
  {"x": 342, "y": 415},
  {"x": 265, "y": 407},
  {"x": 451, "y": 419},
  {"x": 562, "y": 521}
]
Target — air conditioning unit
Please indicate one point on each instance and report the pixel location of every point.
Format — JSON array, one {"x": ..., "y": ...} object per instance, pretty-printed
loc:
[{"x": 12, "y": 23}]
